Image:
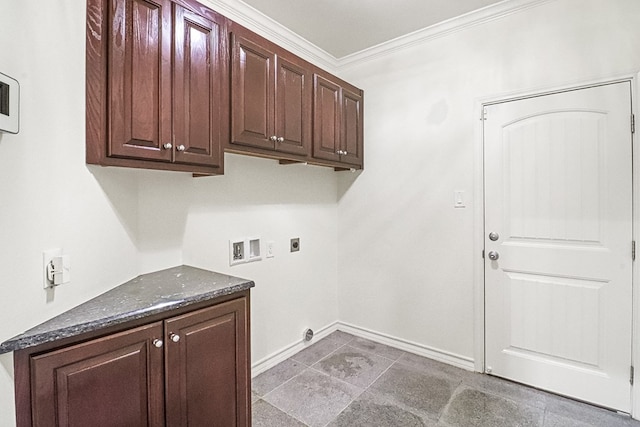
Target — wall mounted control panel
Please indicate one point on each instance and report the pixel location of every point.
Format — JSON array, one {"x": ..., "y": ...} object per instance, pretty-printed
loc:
[{"x": 9, "y": 104}]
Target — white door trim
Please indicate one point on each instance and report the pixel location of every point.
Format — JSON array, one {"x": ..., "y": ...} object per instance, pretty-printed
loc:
[{"x": 478, "y": 239}]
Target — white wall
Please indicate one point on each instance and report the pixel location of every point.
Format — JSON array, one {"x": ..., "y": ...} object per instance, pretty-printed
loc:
[
  {"x": 48, "y": 196},
  {"x": 258, "y": 197},
  {"x": 406, "y": 256}
]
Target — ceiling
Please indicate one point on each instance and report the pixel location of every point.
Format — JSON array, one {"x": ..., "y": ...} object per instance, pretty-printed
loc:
[{"x": 343, "y": 27}]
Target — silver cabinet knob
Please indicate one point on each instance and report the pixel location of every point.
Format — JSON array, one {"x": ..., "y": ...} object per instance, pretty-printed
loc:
[
  {"x": 157, "y": 343},
  {"x": 181, "y": 147},
  {"x": 493, "y": 236},
  {"x": 167, "y": 146},
  {"x": 174, "y": 337},
  {"x": 273, "y": 138},
  {"x": 340, "y": 152},
  {"x": 345, "y": 152},
  {"x": 280, "y": 139},
  {"x": 493, "y": 255}
]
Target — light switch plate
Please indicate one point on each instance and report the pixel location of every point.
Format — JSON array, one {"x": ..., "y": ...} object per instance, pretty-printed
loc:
[{"x": 458, "y": 199}]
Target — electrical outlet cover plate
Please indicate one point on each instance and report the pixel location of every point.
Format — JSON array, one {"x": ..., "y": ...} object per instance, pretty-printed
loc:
[
  {"x": 47, "y": 256},
  {"x": 295, "y": 244},
  {"x": 56, "y": 268},
  {"x": 270, "y": 246}
]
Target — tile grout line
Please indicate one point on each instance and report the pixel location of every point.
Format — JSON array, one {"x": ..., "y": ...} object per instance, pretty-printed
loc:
[
  {"x": 446, "y": 407},
  {"x": 286, "y": 381},
  {"x": 309, "y": 367},
  {"x": 368, "y": 387}
]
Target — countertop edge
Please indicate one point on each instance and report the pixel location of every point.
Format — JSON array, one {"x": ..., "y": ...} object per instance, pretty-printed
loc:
[{"x": 21, "y": 342}]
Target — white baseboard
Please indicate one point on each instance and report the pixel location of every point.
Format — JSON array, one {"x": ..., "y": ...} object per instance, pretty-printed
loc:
[
  {"x": 449, "y": 358},
  {"x": 281, "y": 355},
  {"x": 432, "y": 353}
]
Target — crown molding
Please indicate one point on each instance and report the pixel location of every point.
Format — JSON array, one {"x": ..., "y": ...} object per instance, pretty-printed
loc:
[
  {"x": 256, "y": 21},
  {"x": 459, "y": 23}
]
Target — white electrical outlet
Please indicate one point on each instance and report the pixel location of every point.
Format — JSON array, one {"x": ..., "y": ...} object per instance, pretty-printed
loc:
[{"x": 56, "y": 268}]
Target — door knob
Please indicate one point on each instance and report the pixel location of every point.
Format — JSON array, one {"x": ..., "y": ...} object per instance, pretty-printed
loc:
[
  {"x": 181, "y": 147},
  {"x": 174, "y": 337},
  {"x": 493, "y": 236},
  {"x": 280, "y": 139},
  {"x": 493, "y": 255},
  {"x": 157, "y": 343},
  {"x": 273, "y": 138},
  {"x": 167, "y": 146}
]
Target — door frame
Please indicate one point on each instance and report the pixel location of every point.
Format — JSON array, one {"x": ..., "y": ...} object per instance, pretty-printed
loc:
[{"x": 479, "y": 232}]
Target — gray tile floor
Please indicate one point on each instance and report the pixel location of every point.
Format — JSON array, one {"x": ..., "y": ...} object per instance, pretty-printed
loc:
[{"x": 343, "y": 381}]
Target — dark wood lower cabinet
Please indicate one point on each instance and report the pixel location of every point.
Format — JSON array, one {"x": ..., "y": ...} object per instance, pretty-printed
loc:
[
  {"x": 187, "y": 370},
  {"x": 112, "y": 381},
  {"x": 206, "y": 367}
]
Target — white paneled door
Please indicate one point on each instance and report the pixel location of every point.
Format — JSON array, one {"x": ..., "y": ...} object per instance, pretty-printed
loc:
[{"x": 558, "y": 242}]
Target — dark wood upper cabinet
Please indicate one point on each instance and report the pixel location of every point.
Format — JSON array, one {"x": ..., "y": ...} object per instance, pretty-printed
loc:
[
  {"x": 139, "y": 78},
  {"x": 157, "y": 90},
  {"x": 337, "y": 122},
  {"x": 327, "y": 110},
  {"x": 270, "y": 102},
  {"x": 352, "y": 139},
  {"x": 199, "y": 79},
  {"x": 252, "y": 88},
  {"x": 171, "y": 85},
  {"x": 293, "y": 108}
]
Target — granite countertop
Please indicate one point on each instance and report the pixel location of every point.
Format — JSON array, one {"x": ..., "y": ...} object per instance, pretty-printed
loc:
[{"x": 143, "y": 296}]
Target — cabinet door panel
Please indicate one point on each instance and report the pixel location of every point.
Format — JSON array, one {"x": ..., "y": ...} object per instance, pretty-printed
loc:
[
  {"x": 81, "y": 385},
  {"x": 139, "y": 56},
  {"x": 207, "y": 376},
  {"x": 198, "y": 94},
  {"x": 352, "y": 138},
  {"x": 252, "y": 94},
  {"x": 326, "y": 119},
  {"x": 293, "y": 108}
]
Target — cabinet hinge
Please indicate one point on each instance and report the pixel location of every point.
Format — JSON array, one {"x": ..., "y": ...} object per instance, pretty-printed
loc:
[
  {"x": 483, "y": 115},
  {"x": 633, "y": 123},
  {"x": 483, "y": 254},
  {"x": 633, "y": 250},
  {"x": 631, "y": 376}
]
